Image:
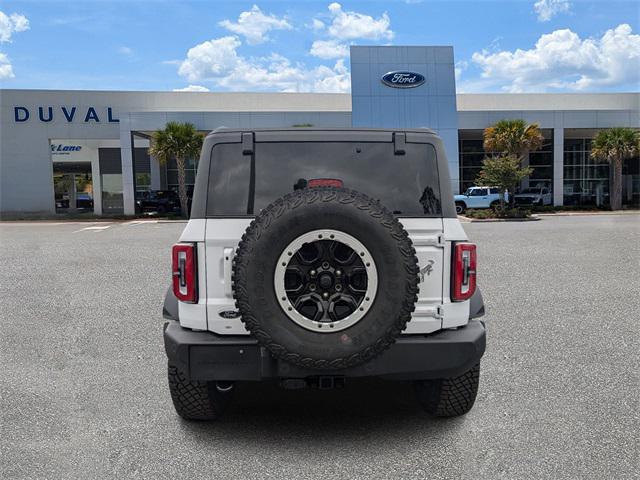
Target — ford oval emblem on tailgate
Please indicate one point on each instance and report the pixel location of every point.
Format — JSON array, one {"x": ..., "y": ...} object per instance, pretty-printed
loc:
[
  {"x": 402, "y": 79},
  {"x": 229, "y": 314}
]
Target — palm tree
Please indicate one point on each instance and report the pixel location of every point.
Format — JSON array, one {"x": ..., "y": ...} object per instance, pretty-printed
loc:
[
  {"x": 180, "y": 141},
  {"x": 514, "y": 138},
  {"x": 614, "y": 146}
]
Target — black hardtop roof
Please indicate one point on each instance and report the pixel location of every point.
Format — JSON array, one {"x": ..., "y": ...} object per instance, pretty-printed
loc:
[
  {"x": 302, "y": 130},
  {"x": 319, "y": 134}
]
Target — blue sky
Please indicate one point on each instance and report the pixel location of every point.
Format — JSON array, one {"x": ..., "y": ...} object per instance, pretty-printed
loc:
[{"x": 500, "y": 46}]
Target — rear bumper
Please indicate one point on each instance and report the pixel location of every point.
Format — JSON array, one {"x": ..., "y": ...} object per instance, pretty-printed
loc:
[{"x": 207, "y": 356}]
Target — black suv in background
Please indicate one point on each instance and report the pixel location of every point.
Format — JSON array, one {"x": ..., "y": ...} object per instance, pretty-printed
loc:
[{"x": 157, "y": 201}]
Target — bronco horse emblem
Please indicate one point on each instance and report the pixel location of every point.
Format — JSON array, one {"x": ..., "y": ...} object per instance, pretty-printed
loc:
[{"x": 428, "y": 268}]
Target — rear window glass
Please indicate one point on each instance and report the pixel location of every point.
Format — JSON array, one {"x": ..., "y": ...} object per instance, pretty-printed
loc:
[{"x": 245, "y": 184}]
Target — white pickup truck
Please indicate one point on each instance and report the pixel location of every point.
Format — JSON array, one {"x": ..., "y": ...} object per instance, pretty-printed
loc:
[{"x": 534, "y": 196}]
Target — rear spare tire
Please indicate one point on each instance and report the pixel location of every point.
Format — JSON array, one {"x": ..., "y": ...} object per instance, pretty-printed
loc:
[{"x": 325, "y": 278}]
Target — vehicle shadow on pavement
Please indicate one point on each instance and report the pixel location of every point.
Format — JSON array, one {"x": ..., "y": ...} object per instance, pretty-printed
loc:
[{"x": 362, "y": 408}]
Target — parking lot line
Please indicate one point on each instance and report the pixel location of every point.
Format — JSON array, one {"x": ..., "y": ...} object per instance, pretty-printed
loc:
[
  {"x": 135, "y": 223},
  {"x": 95, "y": 228}
]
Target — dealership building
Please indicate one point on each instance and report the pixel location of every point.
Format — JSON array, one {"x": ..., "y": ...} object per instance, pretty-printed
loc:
[{"x": 64, "y": 150}]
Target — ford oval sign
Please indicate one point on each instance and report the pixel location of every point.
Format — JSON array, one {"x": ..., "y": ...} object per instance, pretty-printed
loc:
[{"x": 403, "y": 79}]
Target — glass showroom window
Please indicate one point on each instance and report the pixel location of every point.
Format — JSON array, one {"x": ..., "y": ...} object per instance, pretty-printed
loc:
[
  {"x": 631, "y": 182},
  {"x": 143, "y": 182},
  {"x": 542, "y": 163},
  {"x": 190, "y": 173},
  {"x": 142, "y": 168},
  {"x": 111, "y": 180},
  {"x": 586, "y": 181},
  {"x": 471, "y": 156}
]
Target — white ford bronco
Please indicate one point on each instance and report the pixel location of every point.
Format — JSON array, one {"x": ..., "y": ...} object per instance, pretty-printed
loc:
[
  {"x": 479, "y": 197},
  {"x": 316, "y": 255}
]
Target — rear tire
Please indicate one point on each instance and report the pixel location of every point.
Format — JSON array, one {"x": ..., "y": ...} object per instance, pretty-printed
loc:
[
  {"x": 196, "y": 400},
  {"x": 449, "y": 397},
  {"x": 495, "y": 206}
]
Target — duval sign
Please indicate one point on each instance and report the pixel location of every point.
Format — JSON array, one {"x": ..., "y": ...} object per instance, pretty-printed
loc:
[
  {"x": 403, "y": 79},
  {"x": 65, "y": 113}
]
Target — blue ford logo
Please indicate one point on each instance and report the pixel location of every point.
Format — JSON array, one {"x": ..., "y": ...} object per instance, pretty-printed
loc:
[{"x": 402, "y": 79}]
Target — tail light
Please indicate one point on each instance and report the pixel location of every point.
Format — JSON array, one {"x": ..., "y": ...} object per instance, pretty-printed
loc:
[
  {"x": 463, "y": 282},
  {"x": 184, "y": 271}
]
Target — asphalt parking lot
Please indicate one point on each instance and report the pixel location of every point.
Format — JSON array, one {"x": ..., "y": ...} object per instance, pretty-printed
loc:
[{"x": 83, "y": 386}]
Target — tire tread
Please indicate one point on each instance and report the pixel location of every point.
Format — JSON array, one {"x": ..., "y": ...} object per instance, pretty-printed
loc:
[
  {"x": 292, "y": 201},
  {"x": 449, "y": 397},
  {"x": 192, "y": 399}
]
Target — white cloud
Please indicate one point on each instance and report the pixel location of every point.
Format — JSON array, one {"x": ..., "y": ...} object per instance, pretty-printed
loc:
[
  {"x": 547, "y": 9},
  {"x": 125, "y": 51},
  {"x": 561, "y": 60},
  {"x": 336, "y": 79},
  {"x": 192, "y": 88},
  {"x": 10, "y": 24},
  {"x": 254, "y": 25},
  {"x": 217, "y": 61},
  {"x": 213, "y": 58},
  {"x": 460, "y": 67},
  {"x": 347, "y": 25},
  {"x": 278, "y": 73},
  {"x": 329, "y": 49},
  {"x": 317, "y": 25},
  {"x": 6, "y": 70}
]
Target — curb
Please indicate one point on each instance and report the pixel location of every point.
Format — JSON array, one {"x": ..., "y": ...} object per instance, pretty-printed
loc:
[
  {"x": 496, "y": 220},
  {"x": 92, "y": 220},
  {"x": 569, "y": 214}
]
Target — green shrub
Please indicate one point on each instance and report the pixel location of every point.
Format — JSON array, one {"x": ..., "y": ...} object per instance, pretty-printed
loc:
[
  {"x": 543, "y": 208},
  {"x": 515, "y": 213},
  {"x": 484, "y": 213},
  {"x": 487, "y": 213}
]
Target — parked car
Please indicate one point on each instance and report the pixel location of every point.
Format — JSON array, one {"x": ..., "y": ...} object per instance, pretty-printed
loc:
[
  {"x": 313, "y": 256},
  {"x": 479, "y": 197},
  {"x": 84, "y": 200},
  {"x": 534, "y": 196},
  {"x": 62, "y": 200},
  {"x": 158, "y": 201}
]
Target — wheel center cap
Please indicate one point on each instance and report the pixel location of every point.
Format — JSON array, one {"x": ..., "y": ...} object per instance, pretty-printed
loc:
[{"x": 326, "y": 281}]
